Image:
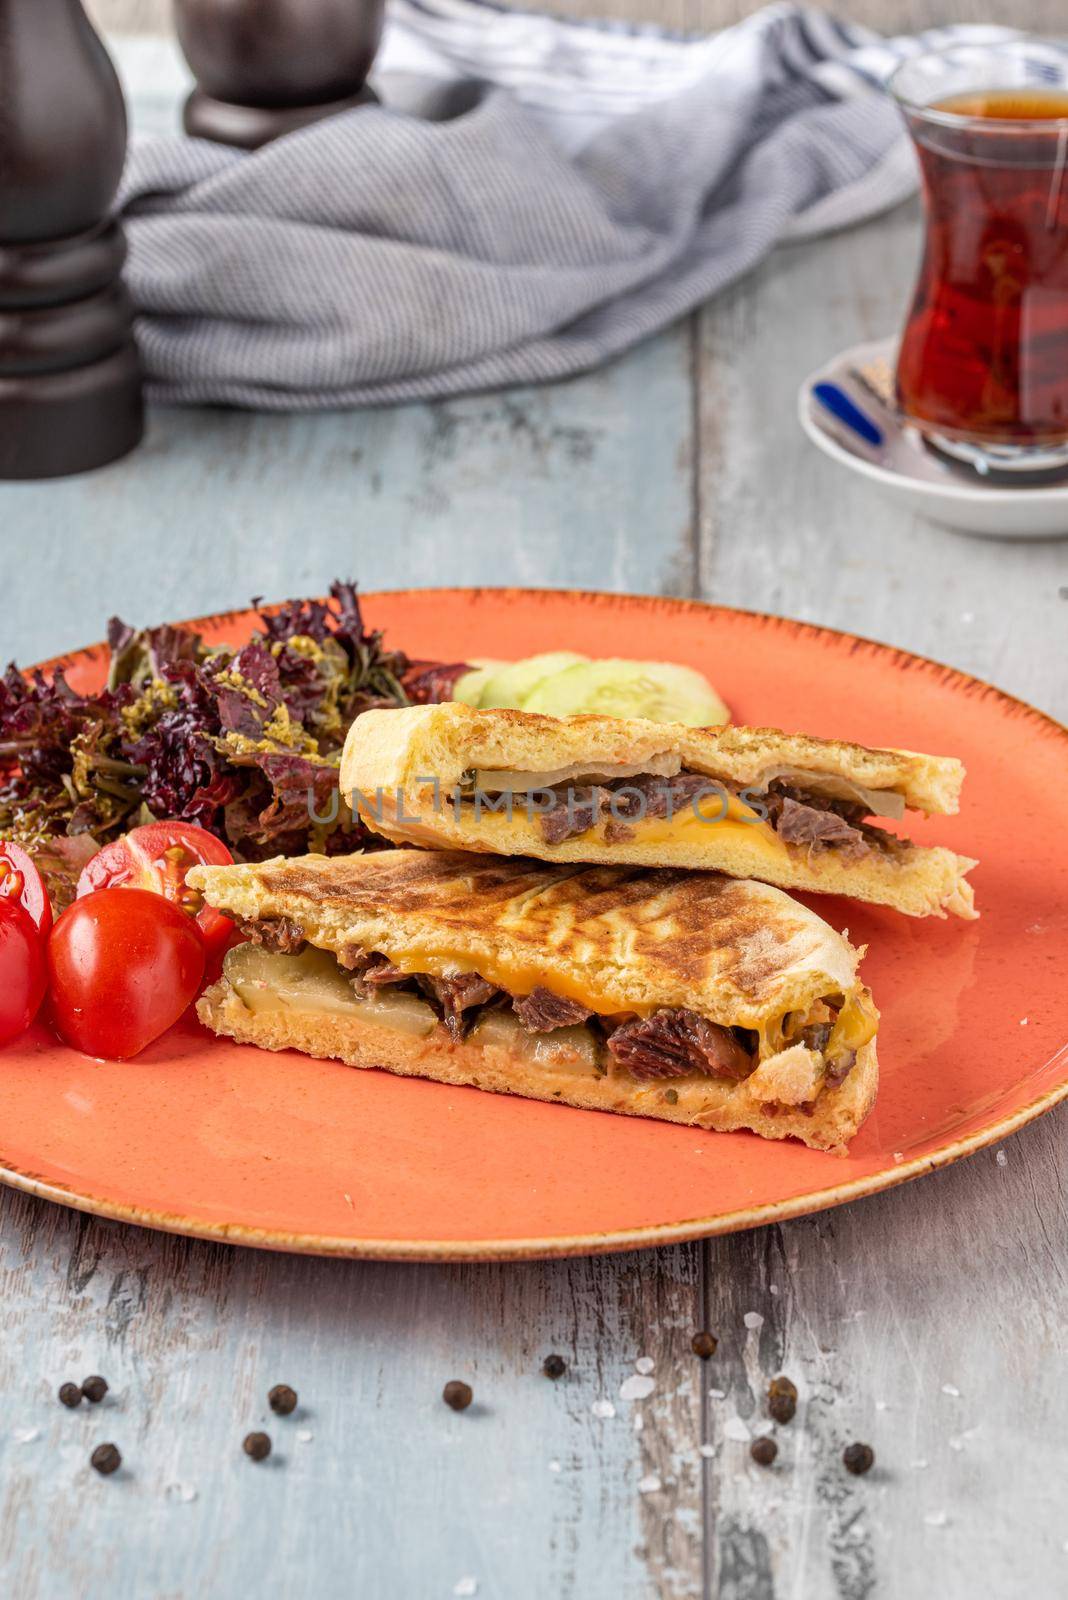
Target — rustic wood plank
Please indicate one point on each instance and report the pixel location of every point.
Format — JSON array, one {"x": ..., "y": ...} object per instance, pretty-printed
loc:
[
  {"x": 923, "y": 1322},
  {"x": 585, "y": 485},
  {"x": 374, "y": 1486},
  {"x": 874, "y": 1308}
]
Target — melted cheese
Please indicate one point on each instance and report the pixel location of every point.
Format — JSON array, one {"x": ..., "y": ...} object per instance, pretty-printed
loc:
[
  {"x": 856, "y": 1024},
  {"x": 715, "y": 818},
  {"x": 518, "y": 979}
]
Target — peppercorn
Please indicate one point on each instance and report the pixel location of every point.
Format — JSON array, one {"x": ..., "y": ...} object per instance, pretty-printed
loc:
[
  {"x": 457, "y": 1395},
  {"x": 704, "y": 1345},
  {"x": 282, "y": 1399},
  {"x": 70, "y": 1394},
  {"x": 256, "y": 1445},
  {"x": 858, "y": 1458},
  {"x": 554, "y": 1366},
  {"x": 782, "y": 1399},
  {"x": 95, "y": 1388},
  {"x": 106, "y": 1459},
  {"x": 763, "y": 1450}
]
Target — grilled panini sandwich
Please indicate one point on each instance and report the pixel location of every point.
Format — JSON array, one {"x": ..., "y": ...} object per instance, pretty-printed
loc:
[
  {"x": 687, "y": 996},
  {"x": 752, "y": 802}
]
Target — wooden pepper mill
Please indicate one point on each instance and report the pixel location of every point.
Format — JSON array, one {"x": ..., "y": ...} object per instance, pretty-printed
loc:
[
  {"x": 266, "y": 67},
  {"x": 70, "y": 380}
]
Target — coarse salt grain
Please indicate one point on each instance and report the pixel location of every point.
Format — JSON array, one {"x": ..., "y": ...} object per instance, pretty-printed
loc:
[
  {"x": 603, "y": 1408},
  {"x": 465, "y": 1586},
  {"x": 649, "y": 1484},
  {"x": 305, "y": 1435},
  {"x": 951, "y": 1389},
  {"x": 706, "y": 1450},
  {"x": 639, "y": 1422},
  {"x": 717, "y": 1394},
  {"x": 935, "y": 1519},
  {"x": 1001, "y": 1158},
  {"x": 882, "y": 1405},
  {"x": 181, "y": 1491},
  {"x": 1023, "y": 1022},
  {"x": 644, "y": 1365},
  {"x": 753, "y": 1319},
  {"x": 638, "y": 1387},
  {"x": 735, "y": 1428},
  {"x": 919, "y": 1464},
  {"x": 25, "y": 1435},
  {"x": 554, "y": 1466}
]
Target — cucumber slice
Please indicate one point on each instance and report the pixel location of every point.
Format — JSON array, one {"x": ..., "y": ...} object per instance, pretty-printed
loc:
[
  {"x": 516, "y": 681},
  {"x": 468, "y": 689},
  {"x": 657, "y": 690}
]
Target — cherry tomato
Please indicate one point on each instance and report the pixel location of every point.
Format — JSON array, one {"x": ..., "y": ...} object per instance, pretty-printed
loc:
[
  {"x": 23, "y": 975},
  {"x": 123, "y": 966},
  {"x": 157, "y": 857},
  {"x": 21, "y": 882}
]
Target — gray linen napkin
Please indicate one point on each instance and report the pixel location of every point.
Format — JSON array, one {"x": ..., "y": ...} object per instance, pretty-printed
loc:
[{"x": 595, "y": 184}]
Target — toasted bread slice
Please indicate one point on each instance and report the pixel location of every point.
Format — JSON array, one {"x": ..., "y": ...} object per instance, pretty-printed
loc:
[
  {"x": 503, "y": 1069},
  {"x": 617, "y": 942},
  {"x": 415, "y": 775}
]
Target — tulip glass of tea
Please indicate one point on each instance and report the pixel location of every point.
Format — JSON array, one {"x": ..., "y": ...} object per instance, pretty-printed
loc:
[{"x": 983, "y": 364}]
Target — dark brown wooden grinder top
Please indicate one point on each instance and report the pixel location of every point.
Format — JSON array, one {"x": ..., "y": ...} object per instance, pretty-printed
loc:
[
  {"x": 267, "y": 67},
  {"x": 70, "y": 381}
]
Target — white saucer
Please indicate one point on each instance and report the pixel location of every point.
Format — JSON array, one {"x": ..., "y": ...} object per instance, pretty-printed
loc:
[{"x": 910, "y": 475}]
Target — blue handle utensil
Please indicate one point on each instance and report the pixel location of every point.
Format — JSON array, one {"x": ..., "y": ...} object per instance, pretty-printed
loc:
[{"x": 844, "y": 410}]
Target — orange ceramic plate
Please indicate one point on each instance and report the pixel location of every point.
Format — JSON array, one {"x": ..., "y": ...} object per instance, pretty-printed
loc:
[{"x": 204, "y": 1137}]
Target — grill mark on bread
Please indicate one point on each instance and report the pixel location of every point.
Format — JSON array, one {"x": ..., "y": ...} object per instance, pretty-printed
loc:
[
  {"x": 637, "y": 936},
  {"x": 405, "y": 882}
]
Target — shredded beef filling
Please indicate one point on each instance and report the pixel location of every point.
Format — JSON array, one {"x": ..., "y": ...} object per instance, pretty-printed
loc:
[
  {"x": 798, "y": 816},
  {"x": 672, "y": 1043},
  {"x": 275, "y": 933},
  {"x": 576, "y": 811},
  {"x": 456, "y": 995},
  {"x": 541, "y": 1012},
  {"x": 816, "y": 1036},
  {"x": 799, "y": 822},
  {"x": 370, "y": 971},
  {"x": 838, "y": 1070},
  {"x": 627, "y": 800}
]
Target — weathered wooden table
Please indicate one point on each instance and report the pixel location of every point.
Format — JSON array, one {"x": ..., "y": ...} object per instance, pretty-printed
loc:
[{"x": 929, "y": 1321}]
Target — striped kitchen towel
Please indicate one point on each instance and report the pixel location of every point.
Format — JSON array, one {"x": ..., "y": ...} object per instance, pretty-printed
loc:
[{"x": 532, "y": 197}]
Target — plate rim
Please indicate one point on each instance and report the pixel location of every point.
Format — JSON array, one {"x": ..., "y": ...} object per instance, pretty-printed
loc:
[
  {"x": 599, "y": 1243},
  {"x": 557, "y": 1246}
]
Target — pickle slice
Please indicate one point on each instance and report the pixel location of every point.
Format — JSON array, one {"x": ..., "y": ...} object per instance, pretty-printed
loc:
[
  {"x": 312, "y": 982},
  {"x": 660, "y": 691},
  {"x": 516, "y": 680}
]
